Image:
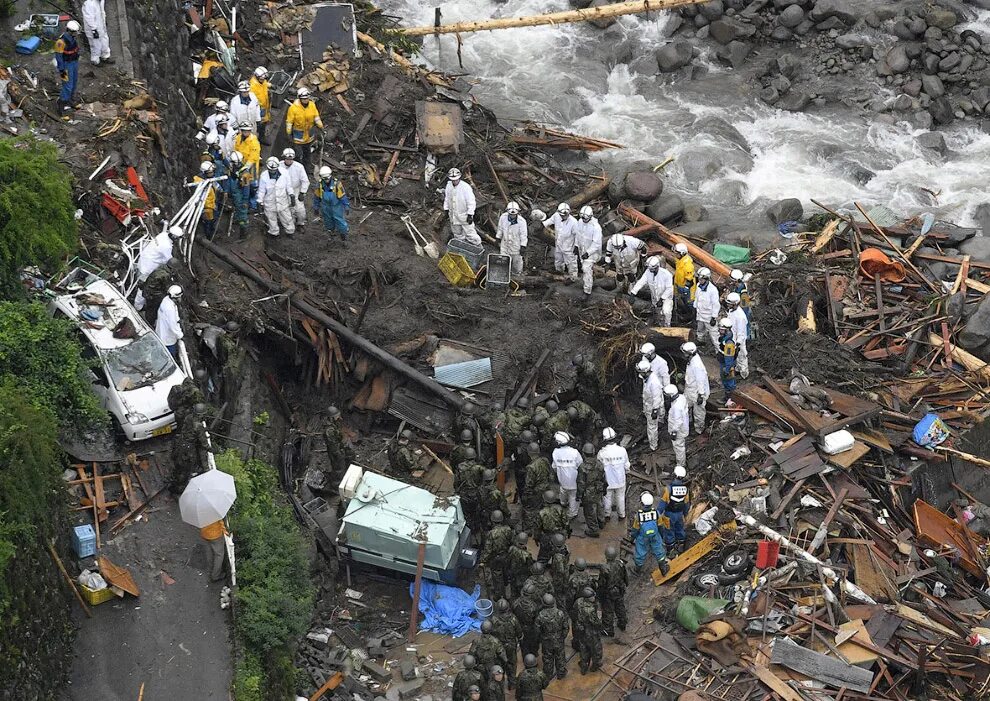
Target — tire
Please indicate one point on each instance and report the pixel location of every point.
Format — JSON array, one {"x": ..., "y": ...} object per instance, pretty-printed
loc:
[
  {"x": 725, "y": 579},
  {"x": 735, "y": 561},
  {"x": 706, "y": 580}
]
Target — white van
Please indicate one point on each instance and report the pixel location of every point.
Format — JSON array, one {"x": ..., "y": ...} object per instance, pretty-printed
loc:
[{"x": 135, "y": 370}]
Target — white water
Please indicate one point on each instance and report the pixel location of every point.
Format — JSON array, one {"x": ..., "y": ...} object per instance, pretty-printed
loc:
[{"x": 564, "y": 75}]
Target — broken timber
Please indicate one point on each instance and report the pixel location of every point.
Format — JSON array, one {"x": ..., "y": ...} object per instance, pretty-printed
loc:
[
  {"x": 699, "y": 254},
  {"x": 632, "y": 7},
  {"x": 359, "y": 342}
]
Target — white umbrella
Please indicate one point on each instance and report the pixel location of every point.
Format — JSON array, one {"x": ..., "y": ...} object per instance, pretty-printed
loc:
[{"x": 207, "y": 498}]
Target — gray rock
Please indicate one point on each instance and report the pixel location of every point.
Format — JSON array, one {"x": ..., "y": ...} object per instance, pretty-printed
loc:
[
  {"x": 897, "y": 59},
  {"x": 804, "y": 27},
  {"x": 666, "y": 209},
  {"x": 933, "y": 34},
  {"x": 791, "y": 17},
  {"x": 932, "y": 141},
  {"x": 701, "y": 21},
  {"x": 844, "y": 10},
  {"x": 780, "y": 84},
  {"x": 702, "y": 229},
  {"x": 787, "y": 65},
  {"x": 981, "y": 97},
  {"x": 912, "y": 88},
  {"x": 794, "y": 101},
  {"x": 949, "y": 62},
  {"x": 602, "y": 23},
  {"x": 913, "y": 49},
  {"x": 918, "y": 26},
  {"x": 643, "y": 186},
  {"x": 941, "y": 111},
  {"x": 735, "y": 53},
  {"x": 902, "y": 30},
  {"x": 694, "y": 212},
  {"x": 769, "y": 95},
  {"x": 932, "y": 85},
  {"x": 729, "y": 29},
  {"x": 922, "y": 120},
  {"x": 785, "y": 210},
  {"x": 941, "y": 18},
  {"x": 930, "y": 62},
  {"x": 976, "y": 332},
  {"x": 982, "y": 216},
  {"x": 782, "y": 4},
  {"x": 781, "y": 34},
  {"x": 901, "y": 103},
  {"x": 852, "y": 41},
  {"x": 978, "y": 247},
  {"x": 713, "y": 9},
  {"x": 579, "y": 4},
  {"x": 674, "y": 55}
]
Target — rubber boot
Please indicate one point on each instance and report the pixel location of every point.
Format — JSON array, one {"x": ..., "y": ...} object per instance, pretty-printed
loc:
[{"x": 664, "y": 567}]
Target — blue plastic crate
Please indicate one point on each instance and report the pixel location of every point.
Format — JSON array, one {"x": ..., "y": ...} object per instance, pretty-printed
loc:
[
  {"x": 28, "y": 45},
  {"x": 84, "y": 541}
]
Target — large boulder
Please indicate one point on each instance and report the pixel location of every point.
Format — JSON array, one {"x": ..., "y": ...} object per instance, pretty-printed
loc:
[
  {"x": 711, "y": 10},
  {"x": 978, "y": 247},
  {"x": 700, "y": 229},
  {"x": 941, "y": 18},
  {"x": 976, "y": 332},
  {"x": 791, "y": 17},
  {"x": 982, "y": 216},
  {"x": 852, "y": 40},
  {"x": 674, "y": 56},
  {"x": 785, "y": 210},
  {"x": 642, "y": 185},
  {"x": 729, "y": 29},
  {"x": 666, "y": 209},
  {"x": 897, "y": 59},
  {"x": 844, "y": 10},
  {"x": 735, "y": 53},
  {"x": 932, "y": 141},
  {"x": 932, "y": 85},
  {"x": 793, "y": 101},
  {"x": 941, "y": 111}
]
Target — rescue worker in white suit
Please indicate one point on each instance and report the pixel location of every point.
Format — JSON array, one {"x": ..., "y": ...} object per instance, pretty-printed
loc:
[
  {"x": 678, "y": 422},
  {"x": 167, "y": 327},
  {"x": 513, "y": 236},
  {"x": 696, "y": 385},
  {"x": 210, "y": 123},
  {"x": 661, "y": 284},
  {"x": 615, "y": 461},
  {"x": 653, "y": 408},
  {"x": 156, "y": 253},
  {"x": 94, "y": 17},
  {"x": 275, "y": 196},
  {"x": 566, "y": 460},
  {"x": 740, "y": 331},
  {"x": 588, "y": 246},
  {"x": 657, "y": 364},
  {"x": 623, "y": 252},
  {"x": 244, "y": 107},
  {"x": 298, "y": 181},
  {"x": 564, "y": 230},
  {"x": 706, "y": 307},
  {"x": 459, "y": 204}
]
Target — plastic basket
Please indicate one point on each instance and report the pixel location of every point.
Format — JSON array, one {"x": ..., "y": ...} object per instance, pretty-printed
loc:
[
  {"x": 95, "y": 597},
  {"x": 473, "y": 254},
  {"x": 456, "y": 269},
  {"x": 499, "y": 270}
]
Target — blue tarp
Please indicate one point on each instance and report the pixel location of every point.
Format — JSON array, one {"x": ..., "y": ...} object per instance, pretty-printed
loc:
[{"x": 447, "y": 610}]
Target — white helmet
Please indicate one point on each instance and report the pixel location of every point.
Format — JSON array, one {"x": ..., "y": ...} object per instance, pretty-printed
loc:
[
  {"x": 653, "y": 263},
  {"x": 670, "y": 390},
  {"x": 643, "y": 366},
  {"x": 272, "y": 163},
  {"x": 648, "y": 349},
  {"x": 175, "y": 292},
  {"x": 222, "y": 106},
  {"x": 646, "y": 499},
  {"x": 325, "y": 172},
  {"x": 176, "y": 232},
  {"x": 454, "y": 174},
  {"x": 303, "y": 93},
  {"x": 725, "y": 323},
  {"x": 72, "y": 25},
  {"x": 561, "y": 438},
  {"x": 212, "y": 139},
  {"x": 289, "y": 153},
  {"x": 245, "y": 126},
  {"x": 689, "y": 348},
  {"x": 236, "y": 157},
  {"x": 260, "y": 72},
  {"x": 681, "y": 248},
  {"x": 587, "y": 213},
  {"x": 679, "y": 472},
  {"x": 617, "y": 241},
  {"x": 564, "y": 208},
  {"x": 733, "y": 298},
  {"x": 736, "y": 274},
  {"x": 222, "y": 119},
  {"x": 206, "y": 167},
  {"x": 608, "y": 434},
  {"x": 704, "y": 273},
  {"x": 512, "y": 208},
  {"x": 243, "y": 86}
]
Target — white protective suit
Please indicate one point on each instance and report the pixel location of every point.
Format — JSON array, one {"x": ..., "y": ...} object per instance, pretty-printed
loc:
[
  {"x": 564, "y": 231},
  {"x": 226, "y": 141},
  {"x": 679, "y": 427},
  {"x": 459, "y": 202},
  {"x": 625, "y": 260},
  {"x": 696, "y": 386},
  {"x": 740, "y": 324},
  {"x": 588, "y": 239},
  {"x": 511, "y": 238},
  {"x": 274, "y": 194},
  {"x": 167, "y": 326},
  {"x": 659, "y": 367},
  {"x": 156, "y": 253},
  {"x": 661, "y": 287},
  {"x": 94, "y": 17},
  {"x": 566, "y": 461},
  {"x": 210, "y": 123},
  {"x": 299, "y": 181},
  {"x": 615, "y": 461},
  {"x": 653, "y": 408},
  {"x": 707, "y": 308},
  {"x": 242, "y": 110}
]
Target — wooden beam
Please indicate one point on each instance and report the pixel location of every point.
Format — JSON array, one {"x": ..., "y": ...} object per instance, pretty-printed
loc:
[
  {"x": 417, "y": 585},
  {"x": 697, "y": 253},
  {"x": 72, "y": 584}
]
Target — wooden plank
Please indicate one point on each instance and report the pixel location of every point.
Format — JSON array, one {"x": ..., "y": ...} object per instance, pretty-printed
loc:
[
  {"x": 826, "y": 235},
  {"x": 823, "y": 528},
  {"x": 762, "y": 403},
  {"x": 937, "y": 530},
  {"x": 801, "y": 463},
  {"x": 785, "y": 398},
  {"x": 873, "y": 438},
  {"x": 331, "y": 684},
  {"x": 920, "y": 619},
  {"x": 787, "y": 499},
  {"x": 810, "y": 471},
  {"x": 870, "y": 576},
  {"x": 101, "y": 504},
  {"x": 694, "y": 553},
  {"x": 819, "y": 667},
  {"x": 882, "y": 627},
  {"x": 776, "y": 684},
  {"x": 117, "y": 576},
  {"x": 847, "y": 458}
]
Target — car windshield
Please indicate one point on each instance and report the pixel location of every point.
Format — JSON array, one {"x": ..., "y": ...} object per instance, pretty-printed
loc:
[{"x": 139, "y": 364}]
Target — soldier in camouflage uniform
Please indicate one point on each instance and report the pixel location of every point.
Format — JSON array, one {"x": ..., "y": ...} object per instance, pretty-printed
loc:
[
  {"x": 540, "y": 580},
  {"x": 539, "y": 478},
  {"x": 459, "y": 452},
  {"x": 584, "y": 419},
  {"x": 588, "y": 384},
  {"x": 495, "y": 691},
  {"x": 401, "y": 458},
  {"x": 189, "y": 447},
  {"x": 465, "y": 679},
  {"x": 540, "y": 417},
  {"x": 468, "y": 476},
  {"x": 612, "y": 582},
  {"x": 591, "y": 488},
  {"x": 156, "y": 287},
  {"x": 492, "y": 422},
  {"x": 182, "y": 397},
  {"x": 590, "y": 626},
  {"x": 487, "y": 650},
  {"x": 494, "y": 555},
  {"x": 518, "y": 562},
  {"x": 558, "y": 421},
  {"x": 474, "y": 692},
  {"x": 507, "y": 628},
  {"x": 338, "y": 452},
  {"x": 560, "y": 569},
  {"x": 520, "y": 459},
  {"x": 552, "y": 625},
  {"x": 490, "y": 499},
  {"x": 517, "y": 420},
  {"x": 531, "y": 682},
  {"x": 579, "y": 579},
  {"x": 526, "y": 608},
  {"x": 551, "y": 519}
]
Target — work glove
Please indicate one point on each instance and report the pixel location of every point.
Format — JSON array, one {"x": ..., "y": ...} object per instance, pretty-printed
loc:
[
  {"x": 655, "y": 414},
  {"x": 522, "y": 250},
  {"x": 470, "y": 219},
  {"x": 585, "y": 256},
  {"x": 64, "y": 75},
  {"x": 96, "y": 34},
  {"x": 292, "y": 199},
  {"x": 712, "y": 322},
  {"x": 701, "y": 400}
]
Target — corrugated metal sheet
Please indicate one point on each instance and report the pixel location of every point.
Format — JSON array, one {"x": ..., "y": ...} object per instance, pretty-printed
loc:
[
  {"x": 421, "y": 410},
  {"x": 470, "y": 373}
]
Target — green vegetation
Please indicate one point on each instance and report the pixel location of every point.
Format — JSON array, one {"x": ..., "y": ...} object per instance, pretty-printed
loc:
[
  {"x": 37, "y": 213},
  {"x": 275, "y": 596},
  {"x": 261, "y": 419}
]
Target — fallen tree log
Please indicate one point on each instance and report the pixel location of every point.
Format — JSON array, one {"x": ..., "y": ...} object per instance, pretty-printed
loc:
[
  {"x": 631, "y": 7},
  {"x": 699, "y": 254},
  {"x": 359, "y": 342},
  {"x": 405, "y": 63}
]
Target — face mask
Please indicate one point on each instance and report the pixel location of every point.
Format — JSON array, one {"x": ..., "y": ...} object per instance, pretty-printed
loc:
[{"x": 513, "y": 218}]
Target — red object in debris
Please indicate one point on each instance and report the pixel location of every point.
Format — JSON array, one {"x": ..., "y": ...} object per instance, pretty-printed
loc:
[
  {"x": 135, "y": 182},
  {"x": 767, "y": 552},
  {"x": 118, "y": 210}
]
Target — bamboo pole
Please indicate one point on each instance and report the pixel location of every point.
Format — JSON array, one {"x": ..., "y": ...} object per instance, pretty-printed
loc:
[{"x": 631, "y": 7}]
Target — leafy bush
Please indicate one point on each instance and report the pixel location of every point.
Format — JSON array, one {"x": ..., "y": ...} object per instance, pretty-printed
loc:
[
  {"x": 44, "y": 359},
  {"x": 37, "y": 213},
  {"x": 275, "y": 596}
]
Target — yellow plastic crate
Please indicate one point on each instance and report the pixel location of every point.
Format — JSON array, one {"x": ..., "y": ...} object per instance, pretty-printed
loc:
[
  {"x": 95, "y": 597},
  {"x": 457, "y": 270}
]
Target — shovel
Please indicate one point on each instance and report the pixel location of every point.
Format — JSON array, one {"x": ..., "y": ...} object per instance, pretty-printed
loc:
[{"x": 429, "y": 248}]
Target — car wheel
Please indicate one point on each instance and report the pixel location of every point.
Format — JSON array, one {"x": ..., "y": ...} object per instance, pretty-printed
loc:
[
  {"x": 705, "y": 581},
  {"x": 725, "y": 578},
  {"x": 735, "y": 562}
]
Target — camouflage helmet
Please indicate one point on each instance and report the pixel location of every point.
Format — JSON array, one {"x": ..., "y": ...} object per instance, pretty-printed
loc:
[
  {"x": 470, "y": 454},
  {"x": 486, "y": 626},
  {"x": 580, "y": 564},
  {"x": 469, "y": 661},
  {"x": 467, "y": 435},
  {"x": 572, "y": 413},
  {"x": 199, "y": 408},
  {"x": 587, "y": 593},
  {"x": 588, "y": 449},
  {"x": 611, "y": 552},
  {"x": 529, "y": 661},
  {"x": 503, "y": 605},
  {"x": 488, "y": 476},
  {"x": 559, "y": 539},
  {"x": 523, "y": 403},
  {"x": 552, "y": 406},
  {"x": 522, "y": 538},
  {"x": 526, "y": 436},
  {"x": 550, "y": 496},
  {"x": 538, "y": 568},
  {"x": 496, "y": 516},
  {"x": 548, "y": 600},
  {"x": 333, "y": 412}
]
